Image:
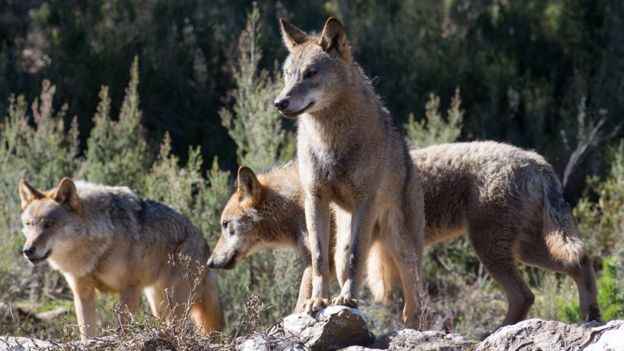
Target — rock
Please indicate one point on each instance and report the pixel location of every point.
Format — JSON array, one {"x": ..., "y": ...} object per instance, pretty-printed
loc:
[
  {"x": 409, "y": 339},
  {"x": 334, "y": 327},
  {"x": 337, "y": 327},
  {"x": 10, "y": 343},
  {"x": 608, "y": 337},
  {"x": 537, "y": 334},
  {"x": 268, "y": 342}
]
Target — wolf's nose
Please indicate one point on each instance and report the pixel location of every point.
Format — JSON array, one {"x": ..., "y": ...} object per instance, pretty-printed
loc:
[
  {"x": 29, "y": 251},
  {"x": 210, "y": 263},
  {"x": 281, "y": 103}
]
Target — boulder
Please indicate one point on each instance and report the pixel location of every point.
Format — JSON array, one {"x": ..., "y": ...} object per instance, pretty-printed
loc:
[
  {"x": 537, "y": 334},
  {"x": 332, "y": 328},
  {"x": 10, "y": 343},
  {"x": 409, "y": 339}
]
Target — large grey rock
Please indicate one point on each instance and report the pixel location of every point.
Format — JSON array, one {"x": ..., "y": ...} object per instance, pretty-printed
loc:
[
  {"x": 10, "y": 343},
  {"x": 537, "y": 334},
  {"x": 268, "y": 342},
  {"x": 334, "y": 327},
  {"x": 608, "y": 337},
  {"x": 409, "y": 339}
]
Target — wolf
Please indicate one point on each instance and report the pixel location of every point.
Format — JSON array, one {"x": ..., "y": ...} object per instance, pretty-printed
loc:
[
  {"x": 350, "y": 158},
  {"x": 110, "y": 240},
  {"x": 508, "y": 200}
]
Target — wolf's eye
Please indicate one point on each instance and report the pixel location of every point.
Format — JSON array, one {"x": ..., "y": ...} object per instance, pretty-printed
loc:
[
  {"x": 48, "y": 224},
  {"x": 225, "y": 224},
  {"x": 309, "y": 73},
  {"x": 28, "y": 223}
]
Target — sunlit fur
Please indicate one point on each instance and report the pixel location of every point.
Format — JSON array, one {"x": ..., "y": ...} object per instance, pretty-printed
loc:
[
  {"x": 508, "y": 200},
  {"x": 110, "y": 240},
  {"x": 351, "y": 158}
]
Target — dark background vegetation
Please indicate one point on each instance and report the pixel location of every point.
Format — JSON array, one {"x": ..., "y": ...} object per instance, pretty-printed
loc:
[
  {"x": 524, "y": 67},
  {"x": 542, "y": 74}
]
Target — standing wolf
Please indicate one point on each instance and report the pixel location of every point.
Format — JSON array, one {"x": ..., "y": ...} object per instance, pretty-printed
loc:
[
  {"x": 111, "y": 240},
  {"x": 507, "y": 199},
  {"x": 350, "y": 157}
]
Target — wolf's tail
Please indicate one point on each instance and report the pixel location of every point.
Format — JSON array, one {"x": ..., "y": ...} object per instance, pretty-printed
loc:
[
  {"x": 560, "y": 233},
  {"x": 381, "y": 273}
]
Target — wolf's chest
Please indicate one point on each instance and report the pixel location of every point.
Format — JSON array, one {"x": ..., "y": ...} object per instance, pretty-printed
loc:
[{"x": 329, "y": 167}]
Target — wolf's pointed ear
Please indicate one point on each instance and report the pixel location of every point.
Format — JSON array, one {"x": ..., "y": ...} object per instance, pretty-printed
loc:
[
  {"x": 248, "y": 185},
  {"x": 66, "y": 193},
  {"x": 334, "y": 39},
  {"x": 292, "y": 35},
  {"x": 28, "y": 194}
]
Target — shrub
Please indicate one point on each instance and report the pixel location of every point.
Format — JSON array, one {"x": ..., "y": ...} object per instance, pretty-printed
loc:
[
  {"x": 117, "y": 152},
  {"x": 435, "y": 129}
]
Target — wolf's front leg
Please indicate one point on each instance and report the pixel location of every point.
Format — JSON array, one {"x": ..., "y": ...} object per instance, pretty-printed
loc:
[
  {"x": 357, "y": 247},
  {"x": 317, "y": 222},
  {"x": 84, "y": 302}
]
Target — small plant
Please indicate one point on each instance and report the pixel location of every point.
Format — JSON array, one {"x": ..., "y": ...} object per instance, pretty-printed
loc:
[
  {"x": 611, "y": 289},
  {"x": 434, "y": 129}
]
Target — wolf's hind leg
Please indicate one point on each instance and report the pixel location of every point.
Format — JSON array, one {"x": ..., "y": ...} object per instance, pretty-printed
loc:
[
  {"x": 537, "y": 254},
  {"x": 130, "y": 299},
  {"x": 129, "y": 302},
  {"x": 496, "y": 254},
  {"x": 406, "y": 247}
]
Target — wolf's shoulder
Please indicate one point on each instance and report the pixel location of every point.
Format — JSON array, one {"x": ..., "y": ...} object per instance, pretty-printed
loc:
[{"x": 87, "y": 190}]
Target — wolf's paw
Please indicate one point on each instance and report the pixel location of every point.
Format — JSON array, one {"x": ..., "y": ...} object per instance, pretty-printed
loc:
[
  {"x": 345, "y": 300},
  {"x": 311, "y": 306}
]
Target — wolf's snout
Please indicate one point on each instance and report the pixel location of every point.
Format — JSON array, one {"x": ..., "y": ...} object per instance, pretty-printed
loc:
[
  {"x": 281, "y": 103},
  {"x": 29, "y": 251},
  {"x": 211, "y": 263}
]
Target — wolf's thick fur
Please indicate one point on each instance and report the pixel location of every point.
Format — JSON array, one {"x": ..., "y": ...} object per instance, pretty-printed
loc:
[
  {"x": 352, "y": 158},
  {"x": 507, "y": 199},
  {"x": 108, "y": 239}
]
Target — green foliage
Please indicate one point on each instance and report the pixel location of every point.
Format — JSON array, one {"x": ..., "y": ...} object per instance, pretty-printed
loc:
[
  {"x": 117, "y": 150},
  {"x": 610, "y": 294},
  {"x": 602, "y": 222},
  {"x": 611, "y": 289},
  {"x": 254, "y": 124},
  {"x": 38, "y": 147},
  {"x": 434, "y": 129}
]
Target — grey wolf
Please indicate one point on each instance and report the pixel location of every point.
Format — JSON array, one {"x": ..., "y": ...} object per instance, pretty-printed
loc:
[
  {"x": 110, "y": 240},
  {"x": 350, "y": 158},
  {"x": 508, "y": 200}
]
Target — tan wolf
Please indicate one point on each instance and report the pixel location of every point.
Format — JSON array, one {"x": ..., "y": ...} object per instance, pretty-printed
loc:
[
  {"x": 110, "y": 240},
  {"x": 507, "y": 199},
  {"x": 351, "y": 158}
]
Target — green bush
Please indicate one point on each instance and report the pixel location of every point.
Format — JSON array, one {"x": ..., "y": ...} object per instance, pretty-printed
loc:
[
  {"x": 117, "y": 152},
  {"x": 610, "y": 294},
  {"x": 434, "y": 129},
  {"x": 256, "y": 128}
]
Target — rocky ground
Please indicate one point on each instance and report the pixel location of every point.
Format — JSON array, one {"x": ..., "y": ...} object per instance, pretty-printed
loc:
[{"x": 342, "y": 328}]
